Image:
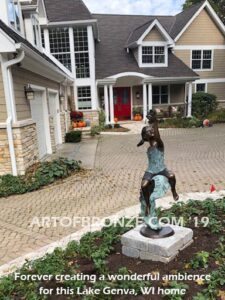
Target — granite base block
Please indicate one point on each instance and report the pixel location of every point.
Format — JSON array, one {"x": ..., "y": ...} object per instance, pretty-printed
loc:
[{"x": 164, "y": 250}]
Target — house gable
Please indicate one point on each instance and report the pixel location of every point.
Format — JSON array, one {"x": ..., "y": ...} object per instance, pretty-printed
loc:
[
  {"x": 158, "y": 30},
  {"x": 154, "y": 35},
  {"x": 202, "y": 31}
]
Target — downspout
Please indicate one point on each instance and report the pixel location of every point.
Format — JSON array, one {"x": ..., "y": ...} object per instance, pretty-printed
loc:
[{"x": 9, "y": 97}]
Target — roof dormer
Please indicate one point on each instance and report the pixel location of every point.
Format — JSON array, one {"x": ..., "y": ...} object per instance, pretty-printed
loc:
[{"x": 150, "y": 43}]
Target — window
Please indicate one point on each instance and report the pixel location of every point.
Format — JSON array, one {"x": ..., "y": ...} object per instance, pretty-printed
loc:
[
  {"x": 160, "y": 94},
  {"x": 201, "y": 59},
  {"x": 36, "y": 30},
  {"x": 42, "y": 38},
  {"x": 60, "y": 45},
  {"x": 14, "y": 14},
  {"x": 153, "y": 54},
  {"x": 200, "y": 87},
  {"x": 84, "y": 97},
  {"x": 80, "y": 36}
]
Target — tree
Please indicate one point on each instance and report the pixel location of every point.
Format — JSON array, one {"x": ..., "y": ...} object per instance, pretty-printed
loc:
[{"x": 218, "y": 5}]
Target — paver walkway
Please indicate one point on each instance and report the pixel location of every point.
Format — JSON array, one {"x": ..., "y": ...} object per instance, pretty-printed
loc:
[{"x": 197, "y": 156}]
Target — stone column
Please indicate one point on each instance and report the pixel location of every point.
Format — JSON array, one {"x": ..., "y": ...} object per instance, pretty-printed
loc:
[
  {"x": 189, "y": 104},
  {"x": 111, "y": 104},
  {"x": 106, "y": 100},
  {"x": 144, "y": 101},
  {"x": 149, "y": 96}
]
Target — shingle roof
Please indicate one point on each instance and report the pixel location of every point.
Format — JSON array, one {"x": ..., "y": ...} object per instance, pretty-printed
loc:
[
  {"x": 137, "y": 32},
  {"x": 112, "y": 58},
  {"x": 66, "y": 10},
  {"x": 172, "y": 24},
  {"x": 19, "y": 39}
]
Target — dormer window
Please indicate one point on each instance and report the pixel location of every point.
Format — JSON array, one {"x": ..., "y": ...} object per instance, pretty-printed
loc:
[
  {"x": 153, "y": 54},
  {"x": 14, "y": 14}
]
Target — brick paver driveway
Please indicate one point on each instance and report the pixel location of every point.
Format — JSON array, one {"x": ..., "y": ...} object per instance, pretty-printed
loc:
[{"x": 197, "y": 156}]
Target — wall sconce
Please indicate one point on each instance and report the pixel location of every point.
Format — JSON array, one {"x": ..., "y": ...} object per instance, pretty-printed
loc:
[
  {"x": 61, "y": 98},
  {"x": 29, "y": 93},
  {"x": 138, "y": 95}
]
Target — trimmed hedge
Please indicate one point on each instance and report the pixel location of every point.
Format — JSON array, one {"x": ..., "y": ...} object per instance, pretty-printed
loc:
[{"x": 73, "y": 137}]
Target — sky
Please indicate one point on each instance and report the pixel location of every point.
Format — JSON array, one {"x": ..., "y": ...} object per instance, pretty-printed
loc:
[{"x": 137, "y": 7}]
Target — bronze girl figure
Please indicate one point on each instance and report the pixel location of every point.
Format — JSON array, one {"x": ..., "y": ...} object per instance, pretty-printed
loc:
[{"x": 156, "y": 164}]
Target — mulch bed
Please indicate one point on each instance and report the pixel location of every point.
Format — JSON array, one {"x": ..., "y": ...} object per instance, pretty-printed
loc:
[{"x": 204, "y": 240}]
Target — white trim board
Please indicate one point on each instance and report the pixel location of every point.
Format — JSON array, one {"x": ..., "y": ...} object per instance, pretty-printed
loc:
[
  {"x": 136, "y": 74},
  {"x": 199, "y": 47},
  {"x": 210, "y": 80}
]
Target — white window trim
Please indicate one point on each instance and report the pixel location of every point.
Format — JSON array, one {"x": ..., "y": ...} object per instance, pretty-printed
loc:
[
  {"x": 152, "y": 44},
  {"x": 21, "y": 31},
  {"x": 169, "y": 100},
  {"x": 80, "y": 98},
  {"x": 34, "y": 19},
  {"x": 212, "y": 59},
  {"x": 206, "y": 86}
]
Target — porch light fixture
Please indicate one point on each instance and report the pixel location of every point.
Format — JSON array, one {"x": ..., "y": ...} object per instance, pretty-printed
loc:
[
  {"x": 29, "y": 92},
  {"x": 138, "y": 95}
]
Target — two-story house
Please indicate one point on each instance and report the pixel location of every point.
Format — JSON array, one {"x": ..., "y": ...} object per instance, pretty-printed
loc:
[
  {"x": 97, "y": 61},
  {"x": 123, "y": 62}
]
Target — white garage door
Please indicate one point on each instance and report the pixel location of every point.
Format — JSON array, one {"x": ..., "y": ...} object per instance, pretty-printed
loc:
[{"x": 37, "y": 112}]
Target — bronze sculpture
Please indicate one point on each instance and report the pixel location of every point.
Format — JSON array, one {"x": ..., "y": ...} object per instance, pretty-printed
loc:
[{"x": 157, "y": 177}]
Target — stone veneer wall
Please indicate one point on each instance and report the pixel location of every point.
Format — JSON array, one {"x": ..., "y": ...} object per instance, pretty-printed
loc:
[
  {"x": 26, "y": 149},
  {"x": 52, "y": 133},
  {"x": 63, "y": 123},
  {"x": 91, "y": 115},
  {"x": 5, "y": 163}
]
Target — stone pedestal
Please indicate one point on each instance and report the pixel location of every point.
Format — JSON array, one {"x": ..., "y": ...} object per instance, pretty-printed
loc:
[{"x": 164, "y": 250}]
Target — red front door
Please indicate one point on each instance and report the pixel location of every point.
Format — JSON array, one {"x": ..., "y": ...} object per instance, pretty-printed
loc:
[{"x": 122, "y": 103}]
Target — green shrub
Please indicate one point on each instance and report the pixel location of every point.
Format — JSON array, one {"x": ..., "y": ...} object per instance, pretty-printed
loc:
[
  {"x": 180, "y": 123},
  {"x": 95, "y": 130},
  {"x": 217, "y": 116},
  {"x": 203, "y": 104},
  {"x": 101, "y": 116},
  {"x": 73, "y": 137},
  {"x": 44, "y": 174}
]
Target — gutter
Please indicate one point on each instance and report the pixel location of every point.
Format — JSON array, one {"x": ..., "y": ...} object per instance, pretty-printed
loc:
[
  {"x": 169, "y": 79},
  {"x": 9, "y": 97},
  {"x": 36, "y": 56}
]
